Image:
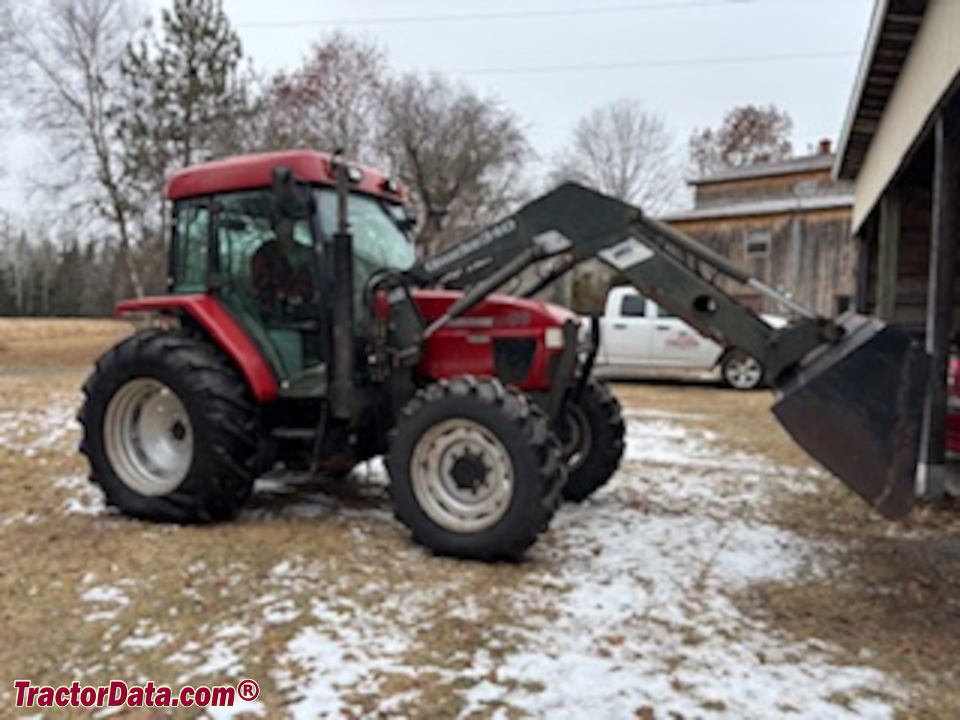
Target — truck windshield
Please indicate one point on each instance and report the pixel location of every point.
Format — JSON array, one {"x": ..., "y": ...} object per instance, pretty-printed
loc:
[{"x": 378, "y": 243}]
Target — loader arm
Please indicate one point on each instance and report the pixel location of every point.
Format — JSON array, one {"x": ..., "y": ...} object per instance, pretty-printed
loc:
[
  {"x": 849, "y": 391},
  {"x": 573, "y": 224}
]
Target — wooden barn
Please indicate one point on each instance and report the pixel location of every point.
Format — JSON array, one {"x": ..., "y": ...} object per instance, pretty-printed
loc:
[
  {"x": 788, "y": 223},
  {"x": 901, "y": 147}
]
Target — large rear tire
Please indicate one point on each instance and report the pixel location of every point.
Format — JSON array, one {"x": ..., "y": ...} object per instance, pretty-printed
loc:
[
  {"x": 475, "y": 471},
  {"x": 169, "y": 429},
  {"x": 591, "y": 436}
]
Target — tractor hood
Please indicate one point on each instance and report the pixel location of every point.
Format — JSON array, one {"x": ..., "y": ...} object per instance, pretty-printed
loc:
[
  {"x": 519, "y": 341},
  {"x": 495, "y": 311}
]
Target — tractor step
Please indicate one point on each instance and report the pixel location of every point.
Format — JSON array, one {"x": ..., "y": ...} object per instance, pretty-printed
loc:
[{"x": 303, "y": 434}]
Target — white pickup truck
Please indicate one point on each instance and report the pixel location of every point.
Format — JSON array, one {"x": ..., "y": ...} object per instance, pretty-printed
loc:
[{"x": 637, "y": 335}]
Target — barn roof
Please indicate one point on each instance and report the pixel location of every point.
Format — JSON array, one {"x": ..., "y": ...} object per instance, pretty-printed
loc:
[
  {"x": 775, "y": 206},
  {"x": 808, "y": 163},
  {"x": 893, "y": 30}
]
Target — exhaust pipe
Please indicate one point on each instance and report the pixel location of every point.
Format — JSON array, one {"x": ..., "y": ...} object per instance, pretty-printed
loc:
[
  {"x": 342, "y": 390},
  {"x": 857, "y": 407}
]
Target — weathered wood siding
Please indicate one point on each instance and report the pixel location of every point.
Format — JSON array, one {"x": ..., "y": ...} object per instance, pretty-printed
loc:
[
  {"x": 913, "y": 262},
  {"x": 812, "y": 256},
  {"x": 817, "y": 182}
]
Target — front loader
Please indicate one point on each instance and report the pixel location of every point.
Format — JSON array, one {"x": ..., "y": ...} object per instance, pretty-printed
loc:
[{"x": 483, "y": 405}]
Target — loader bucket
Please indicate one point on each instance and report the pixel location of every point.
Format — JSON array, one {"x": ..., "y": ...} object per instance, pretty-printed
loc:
[{"x": 856, "y": 406}]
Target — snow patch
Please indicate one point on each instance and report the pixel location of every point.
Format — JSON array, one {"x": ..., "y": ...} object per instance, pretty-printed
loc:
[
  {"x": 109, "y": 599},
  {"x": 85, "y": 498},
  {"x": 31, "y": 432},
  {"x": 646, "y": 620}
]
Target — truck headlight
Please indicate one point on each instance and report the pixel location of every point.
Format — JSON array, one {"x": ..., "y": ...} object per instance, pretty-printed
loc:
[{"x": 553, "y": 338}]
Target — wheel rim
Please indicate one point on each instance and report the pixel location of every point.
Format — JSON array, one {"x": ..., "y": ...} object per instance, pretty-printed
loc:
[
  {"x": 743, "y": 373},
  {"x": 462, "y": 475},
  {"x": 148, "y": 437},
  {"x": 577, "y": 437}
]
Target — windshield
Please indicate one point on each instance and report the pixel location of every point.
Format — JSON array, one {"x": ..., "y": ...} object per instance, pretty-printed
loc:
[{"x": 377, "y": 241}]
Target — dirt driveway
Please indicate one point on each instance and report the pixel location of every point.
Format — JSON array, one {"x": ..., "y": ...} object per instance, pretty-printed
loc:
[{"x": 719, "y": 575}]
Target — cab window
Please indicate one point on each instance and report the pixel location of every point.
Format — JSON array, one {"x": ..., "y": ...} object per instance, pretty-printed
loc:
[{"x": 190, "y": 260}]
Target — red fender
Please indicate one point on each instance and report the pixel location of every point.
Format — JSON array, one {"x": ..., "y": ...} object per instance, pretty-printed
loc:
[{"x": 224, "y": 330}]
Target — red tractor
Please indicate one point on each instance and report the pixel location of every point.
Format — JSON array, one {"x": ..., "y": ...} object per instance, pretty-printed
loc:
[{"x": 301, "y": 328}]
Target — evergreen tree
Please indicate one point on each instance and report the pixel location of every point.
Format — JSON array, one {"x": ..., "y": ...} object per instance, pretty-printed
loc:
[
  {"x": 8, "y": 303},
  {"x": 187, "y": 100},
  {"x": 66, "y": 294}
]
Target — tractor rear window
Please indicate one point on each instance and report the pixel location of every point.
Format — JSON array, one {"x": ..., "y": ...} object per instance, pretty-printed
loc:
[{"x": 190, "y": 273}]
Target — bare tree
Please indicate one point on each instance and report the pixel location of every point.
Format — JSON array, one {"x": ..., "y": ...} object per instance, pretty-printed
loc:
[
  {"x": 748, "y": 135},
  {"x": 62, "y": 60},
  {"x": 332, "y": 102},
  {"x": 625, "y": 151},
  {"x": 462, "y": 155}
]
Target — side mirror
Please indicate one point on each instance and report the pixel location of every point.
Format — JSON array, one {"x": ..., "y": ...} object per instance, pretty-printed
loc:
[
  {"x": 291, "y": 200},
  {"x": 407, "y": 224},
  {"x": 402, "y": 218}
]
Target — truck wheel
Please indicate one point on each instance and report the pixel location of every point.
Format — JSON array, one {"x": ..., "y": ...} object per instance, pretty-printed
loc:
[
  {"x": 741, "y": 371},
  {"x": 475, "y": 471},
  {"x": 169, "y": 429},
  {"x": 591, "y": 436}
]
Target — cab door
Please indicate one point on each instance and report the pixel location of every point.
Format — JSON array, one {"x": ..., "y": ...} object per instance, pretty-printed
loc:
[{"x": 214, "y": 253}]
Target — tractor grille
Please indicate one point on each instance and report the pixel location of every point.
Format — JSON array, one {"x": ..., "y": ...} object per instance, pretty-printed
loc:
[{"x": 513, "y": 358}]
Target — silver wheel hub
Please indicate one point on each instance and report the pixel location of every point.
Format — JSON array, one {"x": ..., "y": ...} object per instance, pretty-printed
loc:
[
  {"x": 462, "y": 476},
  {"x": 148, "y": 437},
  {"x": 743, "y": 372}
]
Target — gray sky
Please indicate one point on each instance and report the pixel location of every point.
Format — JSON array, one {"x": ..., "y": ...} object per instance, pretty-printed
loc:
[
  {"x": 553, "y": 60},
  {"x": 669, "y": 53}
]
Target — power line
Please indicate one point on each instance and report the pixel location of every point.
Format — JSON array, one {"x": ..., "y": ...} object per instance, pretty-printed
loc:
[
  {"x": 521, "y": 15},
  {"x": 692, "y": 62}
]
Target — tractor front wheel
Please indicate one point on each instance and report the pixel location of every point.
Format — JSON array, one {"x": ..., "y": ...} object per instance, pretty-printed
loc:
[
  {"x": 475, "y": 471},
  {"x": 591, "y": 435},
  {"x": 169, "y": 429}
]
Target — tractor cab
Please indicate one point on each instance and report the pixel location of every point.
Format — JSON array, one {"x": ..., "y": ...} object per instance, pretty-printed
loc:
[{"x": 269, "y": 267}]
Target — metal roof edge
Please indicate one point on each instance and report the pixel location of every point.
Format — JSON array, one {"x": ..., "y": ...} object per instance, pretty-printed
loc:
[
  {"x": 764, "y": 207},
  {"x": 870, "y": 45}
]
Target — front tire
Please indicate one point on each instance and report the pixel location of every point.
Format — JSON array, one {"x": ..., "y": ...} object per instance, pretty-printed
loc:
[
  {"x": 591, "y": 436},
  {"x": 475, "y": 471},
  {"x": 741, "y": 371},
  {"x": 169, "y": 429}
]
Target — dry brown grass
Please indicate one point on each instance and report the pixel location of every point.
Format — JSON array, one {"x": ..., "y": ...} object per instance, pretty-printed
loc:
[
  {"x": 46, "y": 343},
  {"x": 48, "y": 561},
  {"x": 891, "y": 596}
]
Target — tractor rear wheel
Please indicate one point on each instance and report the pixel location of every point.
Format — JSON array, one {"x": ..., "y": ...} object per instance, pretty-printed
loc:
[
  {"x": 169, "y": 429},
  {"x": 591, "y": 436},
  {"x": 475, "y": 470}
]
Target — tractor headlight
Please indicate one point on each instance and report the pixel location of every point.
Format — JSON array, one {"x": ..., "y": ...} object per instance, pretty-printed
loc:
[
  {"x": 354, "y": 174},
  {"x": 553, "y": 338}
]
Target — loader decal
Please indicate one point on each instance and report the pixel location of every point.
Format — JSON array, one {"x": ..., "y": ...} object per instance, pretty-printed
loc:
[
  {"x": 626, "y": 254},
  {"x": 490, "y": 235}
]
